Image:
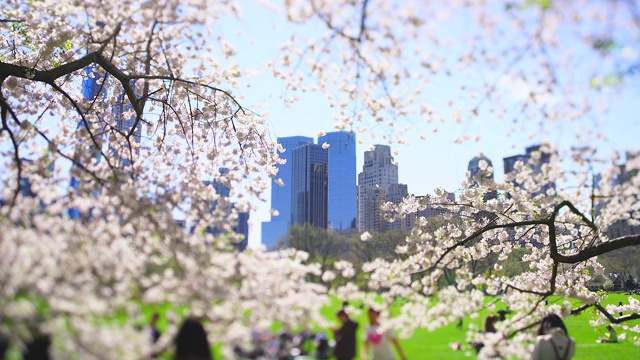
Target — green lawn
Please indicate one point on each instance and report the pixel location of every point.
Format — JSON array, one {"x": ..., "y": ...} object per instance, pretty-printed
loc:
[{"x": 435, "y": 345}]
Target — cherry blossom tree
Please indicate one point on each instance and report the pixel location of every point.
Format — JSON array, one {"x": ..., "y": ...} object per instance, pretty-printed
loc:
[
  {"x": 553, "y": 209},
  {"x": 130, "y": 103},
  {"x": 137, "y": 105}
]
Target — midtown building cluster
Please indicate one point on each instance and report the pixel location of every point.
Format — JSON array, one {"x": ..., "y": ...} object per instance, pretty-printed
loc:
[{"x": 320, "y": 187}]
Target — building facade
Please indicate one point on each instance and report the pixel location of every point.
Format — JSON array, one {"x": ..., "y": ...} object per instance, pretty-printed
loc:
[
  {"x": 278, "y": 225},
  {"x": 342, "y": 205},
  {"x": 125, "y": 119},
  {"x": 310, "y": 186},
  {"x": 476, "y": 174},
  {"x": 396, "y": 195},
  {"x": 378, "y": 173},
  {"x": 242, "y": 223},
  {"x": 628, "y": 172},
  {"x": 527, "y": 159}
]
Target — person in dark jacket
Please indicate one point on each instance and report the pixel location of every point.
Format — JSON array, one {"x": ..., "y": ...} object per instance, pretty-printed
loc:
[
  {"x": 345, "y": 337},
  {"x": 191, "y": 342}
]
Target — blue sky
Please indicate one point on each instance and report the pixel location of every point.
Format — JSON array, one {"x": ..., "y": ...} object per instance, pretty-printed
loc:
[{"x": 437, "y": 161}]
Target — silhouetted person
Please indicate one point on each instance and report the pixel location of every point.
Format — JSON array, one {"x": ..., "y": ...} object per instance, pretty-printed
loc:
[
  {"x": 191, "y": 342},
  {"x": 37, "y": 349},
  {"x": 503, "y": 314},
  {"x": 489, "y": 327},
  {"x": 620, "y": 304},
  {"x": 322, "y": 349},
  {"x": 553, "y": 342},
  {"x": 4, "y": 345},
  {"x": 345, "y": 337},
  {"x": 490, "y": 324},
  {"x": 154, "y": 332}
]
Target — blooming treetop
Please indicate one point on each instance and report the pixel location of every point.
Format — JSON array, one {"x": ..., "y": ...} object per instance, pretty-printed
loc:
[{"x": 139, "y": 237}]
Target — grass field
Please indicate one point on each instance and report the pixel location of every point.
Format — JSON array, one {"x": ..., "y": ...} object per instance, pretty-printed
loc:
[{"x": 435, "y": 345}]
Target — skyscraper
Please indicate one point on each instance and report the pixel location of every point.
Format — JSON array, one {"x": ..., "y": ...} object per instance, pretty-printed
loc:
[
  {"x": 378, "y": 173},
  {"x": 92, "y": 86},
  {"x": 273, "y": 230},
  {"x": 342, "y": 179},
  {"x": 242, "y": 224},
  {"x": 396, "y": 195},
  {"x": 125, "y": 119},
  {"x": 309, "y": 186},
  {"x": 475, "y": 171},
  {"x": 628, "y": 171},
  {"x": 510, "y": 163}
]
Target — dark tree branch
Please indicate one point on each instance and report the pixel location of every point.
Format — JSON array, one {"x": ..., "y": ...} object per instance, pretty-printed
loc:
[
  {"x": 188, "y": 82},
  {"x": 613, "y": 319},
  {"x": 480, "y": 232},
  {"x": 84, "y": 121},
  {"x": 6, "y": 109},
  {"x": 602, "y": 248},
  {"x": 363, "y": 20}
]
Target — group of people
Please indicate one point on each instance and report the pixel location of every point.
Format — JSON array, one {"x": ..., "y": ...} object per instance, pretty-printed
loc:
[
  {"x": 191, "y": 342},
  {"x": 378, "y": 339},
  {"x": 552, "y": 343}
]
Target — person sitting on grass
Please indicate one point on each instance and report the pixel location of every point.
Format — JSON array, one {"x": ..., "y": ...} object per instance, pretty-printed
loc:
[
  {"x": 612, "y": 336},
  {"x": 553, "y": 342}
]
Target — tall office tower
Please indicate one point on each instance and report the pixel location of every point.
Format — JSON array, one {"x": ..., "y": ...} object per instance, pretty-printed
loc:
[
  {"x": 92, "y": 86},
  {"x": 342, "y": 179},
  {"x": 396, "y": 194},
  {"x": 125, "y": 120},
  {"x": 243, "y": 228},
  {"x": 628, "y": 172},
  {"x": 242, "y": 224},
  {"x": 371, "y": 216},
  {"x": 221, "y": 189},
  {"x": 275, "y": 229},
  {"x": 475, "y": 172},
  {"x": 378, "y": 173},
  {"x": 309, "y": 186},
  {"x": 431, "y": 211},
  {"x": 510, "y": 162}
]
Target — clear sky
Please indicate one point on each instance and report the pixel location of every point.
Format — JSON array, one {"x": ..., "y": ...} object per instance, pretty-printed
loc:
[{"x": 437, "y": 161}]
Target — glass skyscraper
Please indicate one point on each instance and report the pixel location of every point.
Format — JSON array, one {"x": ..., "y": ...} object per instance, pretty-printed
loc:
[
  {"x": 309, "y": 186},
  {"x": 273, "y": 230},
  {"x": 91, "y": 88},
  {"x": 125, "y": 120},
  {"x": 242, "y": 225},
  {"x": 342, "y": 179}
]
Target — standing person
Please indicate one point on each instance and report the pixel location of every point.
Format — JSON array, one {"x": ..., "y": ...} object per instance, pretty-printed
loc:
[
  {"x": 620, "y": 304},
  {"x": 191, "y": 342},
  {"x": 553, "y": 341},
  {"x": 154, "y": 332},
  {"x": 345, "y": 337},
  {"x": 378, "y": 342}
]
